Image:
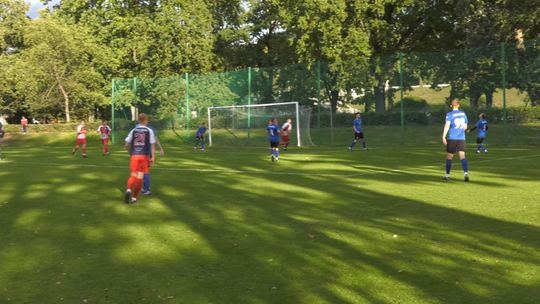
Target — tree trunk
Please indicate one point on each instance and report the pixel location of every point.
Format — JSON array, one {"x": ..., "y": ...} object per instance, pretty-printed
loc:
[
  {"x": 489, "y": 98},
  {"x": 474, "y": 100},
  {"x": 334, "y": 97},
  {"x": 66, "y": 101},
  {"x": 380, "y": 96},
  {"x": 390, "y": 96}
]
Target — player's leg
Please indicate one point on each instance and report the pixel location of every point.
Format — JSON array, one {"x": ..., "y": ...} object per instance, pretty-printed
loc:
[
  {"x": 146, "y": 184},
  {"x": 277, "y": 151},
  {"x": 196, "y": 143},
  {"x": 84, "y": 150},
  {"x": 479, "y": 144},
  {"x": 137, "y": 185},
  {"x": 464, "y": 162},
  {"x": 356, "y": 137},
  {"x": 450, "y": 151},
  {"x": 75, "y": 149},
  {"x": 364, "y": 145},
  {"x": 203, "y": 144}
]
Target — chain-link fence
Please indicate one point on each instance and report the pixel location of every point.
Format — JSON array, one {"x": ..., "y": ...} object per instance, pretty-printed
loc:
[{"x": 396, "y": 94}]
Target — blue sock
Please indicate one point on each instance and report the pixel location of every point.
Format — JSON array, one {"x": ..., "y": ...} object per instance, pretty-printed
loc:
[
  {"x": 465, "y": 165},
  {"x": 448, "y": 166},
  {"x": 277, "y": 153},
  {"x": 146, "y": 182},
  {"x": 353, "y": 143},
  {"x": 364, "y": 144}
]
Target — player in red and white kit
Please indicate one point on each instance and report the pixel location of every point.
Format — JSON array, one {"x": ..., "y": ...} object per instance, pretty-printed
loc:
[
  {"x": 81, "y": 139},
  {"x": 141, "y": 144},
  {"x": 285, "y": 132},
  {"x": 104, "y": 130}
]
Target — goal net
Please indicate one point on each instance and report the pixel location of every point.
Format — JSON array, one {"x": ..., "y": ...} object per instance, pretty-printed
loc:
[{"x": 246, "y": 124}]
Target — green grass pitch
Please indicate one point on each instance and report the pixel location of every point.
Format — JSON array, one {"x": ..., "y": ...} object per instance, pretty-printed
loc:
[{"x": 228, "y": 226}]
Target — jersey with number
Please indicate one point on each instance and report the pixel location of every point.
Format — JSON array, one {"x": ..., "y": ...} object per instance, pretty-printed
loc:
[
  {"x": 104, "y": 130},
  {"x": 286, "y": 129},
  {"x": 200, "y": 132},
  {"x": 140, "y": 140},
  {"x": 357, "y": 123},
  {"x": 482, "y": 126},
  {"x": 273, "y": 132},
  {"x": 81, "y": 132},
  {"x": 458, "y": 124}
]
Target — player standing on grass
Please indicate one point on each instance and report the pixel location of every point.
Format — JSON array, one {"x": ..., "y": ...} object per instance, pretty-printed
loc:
[
  {"x": 482, "y": 126},
  {"x": 146, "y": 178},
  {"x": 24, "y": 124},
  {"x": 199, "y": 138},
  {"x": 81, "y": 139},
  {"x": 285, "y": 132},
  {"x": 104, "y": 130},
  {"x": 273, "y": 137},
  {"x": 358, "y": 132},
  {"x": 141, "y": 144},
  {"x": 454, "y": 138}
]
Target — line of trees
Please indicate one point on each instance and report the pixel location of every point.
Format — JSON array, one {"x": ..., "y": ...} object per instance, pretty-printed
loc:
[{"x": 60, "y": 65}]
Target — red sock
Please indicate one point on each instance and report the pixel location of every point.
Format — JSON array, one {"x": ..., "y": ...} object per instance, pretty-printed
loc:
[
  {"x": 131, "y": 182},
  {"x": 137, "y": 187}
]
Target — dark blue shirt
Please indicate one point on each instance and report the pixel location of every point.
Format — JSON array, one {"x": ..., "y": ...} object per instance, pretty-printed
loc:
[
  {"x": 140, "y": 140},
  {"x": 357, "y": 123},
  {"x": 273, "y": 132},
  {"x": 200, "y": 132},
  {"x": 481, "y": 125}
]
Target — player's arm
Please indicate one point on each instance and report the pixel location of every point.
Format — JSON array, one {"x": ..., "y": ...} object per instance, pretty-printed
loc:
[
  {"x": 445, "y": 132},
  {"x": 128, "y": 140},
  {"x": 161, "y": 151},
  {"x": 153, "y": 141},
  {"x": 153, "y": 149}
]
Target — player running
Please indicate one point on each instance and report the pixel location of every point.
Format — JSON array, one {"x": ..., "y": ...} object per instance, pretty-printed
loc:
[
  {"x": 273, "y": 137},
  {"x": 24, "y": 124},
  {"x": 454, "y": 128},
  {"x": 482, "y": 126},
  {"x": 81, "y": 139},
  {"x": 104, "y": 130},
  {"x": 358, "y": 133},
  {"x": 285, "y": 132},
  {"x": 141, "y": 144},
  {"x": 199, "y": 138}
]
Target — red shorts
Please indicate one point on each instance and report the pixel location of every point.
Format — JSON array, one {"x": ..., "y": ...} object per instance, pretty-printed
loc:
[
  {"x": 139, "y": 163},
  {"x": 285, "y": 138},
  {"x": 81, "y": 141},
  {"x": 105, "y": 141}
]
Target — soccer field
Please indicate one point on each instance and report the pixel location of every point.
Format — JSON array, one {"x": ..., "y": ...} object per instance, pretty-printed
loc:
[{"x": 228, "y": 226}]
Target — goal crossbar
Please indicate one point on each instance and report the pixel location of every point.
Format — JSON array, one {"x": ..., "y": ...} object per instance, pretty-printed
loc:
[{"x": 295, "y": 103}]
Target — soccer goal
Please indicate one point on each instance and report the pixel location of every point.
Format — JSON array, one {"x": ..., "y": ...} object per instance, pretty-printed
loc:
[{"x": 246, "y": 124}]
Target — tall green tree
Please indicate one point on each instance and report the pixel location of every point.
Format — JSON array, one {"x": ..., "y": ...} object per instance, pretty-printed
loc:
[{"x": 59, "y": 66}]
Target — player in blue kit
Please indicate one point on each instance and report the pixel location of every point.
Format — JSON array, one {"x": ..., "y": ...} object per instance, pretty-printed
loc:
[
  {"x": 273, "y": 137},
  {"x": 482, "y": 126},
  {"x": 454, "y": 138},
  {"x": 358, "y": 132},
  {"x": 199, "y": 138}
]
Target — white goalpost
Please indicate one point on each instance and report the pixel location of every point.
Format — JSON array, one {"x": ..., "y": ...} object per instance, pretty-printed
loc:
[{"x": 238, "y": 121}]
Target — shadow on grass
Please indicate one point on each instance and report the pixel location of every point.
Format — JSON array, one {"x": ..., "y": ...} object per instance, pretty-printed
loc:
[{"x": 231, "y": 238}]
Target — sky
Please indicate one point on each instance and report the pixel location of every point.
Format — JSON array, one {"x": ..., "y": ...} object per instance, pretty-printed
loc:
[{"x": 36, "y": 5}]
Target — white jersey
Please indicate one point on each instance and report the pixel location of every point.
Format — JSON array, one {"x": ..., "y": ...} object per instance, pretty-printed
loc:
[
  {"x": 81, "y": 132},
  {"x": 286, "y": 129}
]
